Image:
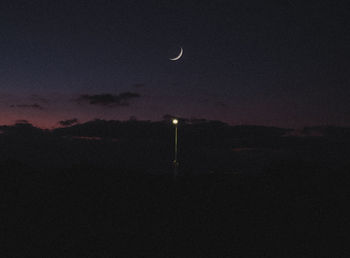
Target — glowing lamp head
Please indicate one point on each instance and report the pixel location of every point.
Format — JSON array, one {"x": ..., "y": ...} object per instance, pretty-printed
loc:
[{"x": 175, "y": 121}]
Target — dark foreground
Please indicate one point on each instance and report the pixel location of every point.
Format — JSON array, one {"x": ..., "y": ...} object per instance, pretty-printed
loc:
[{"x": 297, "y": 212}]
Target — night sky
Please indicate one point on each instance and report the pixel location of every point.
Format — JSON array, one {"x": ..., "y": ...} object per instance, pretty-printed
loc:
[{"x": 282, "y": 63}]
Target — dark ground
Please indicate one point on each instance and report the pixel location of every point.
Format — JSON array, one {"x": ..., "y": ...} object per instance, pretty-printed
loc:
[
  {"x": 86, "y": 214},
  {"x": 287, "y": 198}
]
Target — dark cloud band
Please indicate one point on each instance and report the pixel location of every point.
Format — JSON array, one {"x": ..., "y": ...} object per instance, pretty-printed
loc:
[
  {"x": 122, "y": 99},
  {"x": 35, "y": 106}
]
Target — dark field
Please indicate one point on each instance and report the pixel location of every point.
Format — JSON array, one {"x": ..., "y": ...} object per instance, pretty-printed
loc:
[{"x": 281, "y": 198}]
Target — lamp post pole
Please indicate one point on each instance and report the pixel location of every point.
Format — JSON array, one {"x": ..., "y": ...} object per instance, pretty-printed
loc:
[{"x": 176, "y": 163}]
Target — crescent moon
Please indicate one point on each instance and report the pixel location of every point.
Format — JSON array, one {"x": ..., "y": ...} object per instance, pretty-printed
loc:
[{"x": 178, "y": 57}]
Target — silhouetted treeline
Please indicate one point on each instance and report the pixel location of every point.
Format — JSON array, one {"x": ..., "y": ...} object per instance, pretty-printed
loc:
[{"x": 145, "y": 146}]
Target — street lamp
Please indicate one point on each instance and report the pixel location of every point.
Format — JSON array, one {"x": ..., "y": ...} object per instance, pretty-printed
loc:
[{"x": 176, "y": 163}]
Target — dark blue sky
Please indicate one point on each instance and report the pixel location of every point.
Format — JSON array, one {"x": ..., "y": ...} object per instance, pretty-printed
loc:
[{"x": 283, "y": 63}]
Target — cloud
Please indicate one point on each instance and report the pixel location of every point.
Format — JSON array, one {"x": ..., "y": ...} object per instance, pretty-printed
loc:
[
  {"x": 68, "y": 122},
  {"x": 34, "y": 106},
  {"x": 122, "y": 99},
  {"x": 138, "y": 85},
  {"x": 221, "y": 104},
  {"x": 22, "y": 121},
  {"x": 39, "y": 99}
]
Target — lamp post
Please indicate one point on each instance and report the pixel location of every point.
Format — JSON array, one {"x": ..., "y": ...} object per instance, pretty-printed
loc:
[{"x": 176, "y": 163}]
